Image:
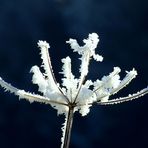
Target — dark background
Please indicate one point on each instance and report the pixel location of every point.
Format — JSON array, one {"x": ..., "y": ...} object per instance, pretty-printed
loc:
[{"x": 123, "y": 29}]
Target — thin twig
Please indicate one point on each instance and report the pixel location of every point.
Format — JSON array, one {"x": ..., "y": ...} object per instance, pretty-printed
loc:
[
  {"x": 82, "y": 79},
  {"x": 53, "y": 76}
]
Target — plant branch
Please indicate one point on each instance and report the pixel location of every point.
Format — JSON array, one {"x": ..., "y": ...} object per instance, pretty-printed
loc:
[{"x": 68, "y": 127}]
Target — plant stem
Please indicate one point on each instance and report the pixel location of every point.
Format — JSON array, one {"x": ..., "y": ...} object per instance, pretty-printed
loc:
[{"x": 68, "y": 127}]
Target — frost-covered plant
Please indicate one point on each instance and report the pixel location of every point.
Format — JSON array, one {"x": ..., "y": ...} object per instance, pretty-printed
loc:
[{"x": 75, "y": 94}]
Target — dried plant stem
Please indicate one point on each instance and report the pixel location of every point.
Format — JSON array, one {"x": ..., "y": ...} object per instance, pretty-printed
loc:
[{"x": 68, "y": 127}]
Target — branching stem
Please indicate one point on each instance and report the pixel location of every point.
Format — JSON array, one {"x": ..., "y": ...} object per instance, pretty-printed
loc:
[{"x": 68, "y": 127}]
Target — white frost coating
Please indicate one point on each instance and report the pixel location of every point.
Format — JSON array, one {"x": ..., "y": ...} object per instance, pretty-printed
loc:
[
  {"x": 69, "y": 80},
  {"x": 132, "y": 73},
  {"x": 128, "y": 78},
  {"x": 111, "y": 84},
  {"x": 87, "y": 51},
  {"x": 84, "y": 110},
  {"x": 43, "y": 45},
  {"x": 7, "y": 86},
  {"x": 58, "y": 98},
  {"x": 32, "y": 97},
  {"x": 113, "y": 80},
  {"x": 76, "y": 93},
  {"x": 73, "y": 90},
  {"x": 63, "y": 131},
  {"x": 107, "y": 84},
  {"x": 90, "y": 44},
  {"x": 125, "y": 99},
  {"x": 39, "y": 79},
  {"x": 86, "y": 97},
  {"x": 88, "y": 83},
  {"x": 66, "y": 67}
]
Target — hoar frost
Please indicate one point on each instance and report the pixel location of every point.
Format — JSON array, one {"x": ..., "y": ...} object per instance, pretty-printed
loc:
[{"x": 75, "y": 92}]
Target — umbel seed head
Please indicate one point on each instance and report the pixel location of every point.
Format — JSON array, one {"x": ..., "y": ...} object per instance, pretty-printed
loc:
[{"x": 74, "y": 91}]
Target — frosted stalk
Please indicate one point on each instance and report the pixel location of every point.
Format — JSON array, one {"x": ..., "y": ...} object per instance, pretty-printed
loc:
[{"x": 75, "y": 94}]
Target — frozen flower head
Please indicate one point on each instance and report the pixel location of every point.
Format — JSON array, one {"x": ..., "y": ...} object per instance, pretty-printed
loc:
[{"x": 75, "y": 94}]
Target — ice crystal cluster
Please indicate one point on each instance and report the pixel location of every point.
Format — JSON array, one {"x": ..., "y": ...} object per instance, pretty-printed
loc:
[{"x": 75, "y": 92}]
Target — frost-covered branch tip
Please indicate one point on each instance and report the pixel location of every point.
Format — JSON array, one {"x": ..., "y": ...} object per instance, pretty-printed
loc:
[{"x": 75, "y": 94}]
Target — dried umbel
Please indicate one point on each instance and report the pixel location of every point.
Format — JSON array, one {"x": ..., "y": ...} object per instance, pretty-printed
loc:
[{"x": 74, "y": 94}]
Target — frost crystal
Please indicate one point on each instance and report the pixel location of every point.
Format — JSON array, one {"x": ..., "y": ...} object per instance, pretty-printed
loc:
[{"x": 75, "y": 92}]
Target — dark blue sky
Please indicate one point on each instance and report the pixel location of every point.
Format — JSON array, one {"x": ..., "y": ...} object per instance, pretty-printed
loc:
[{"x": 123, "y": 29}]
